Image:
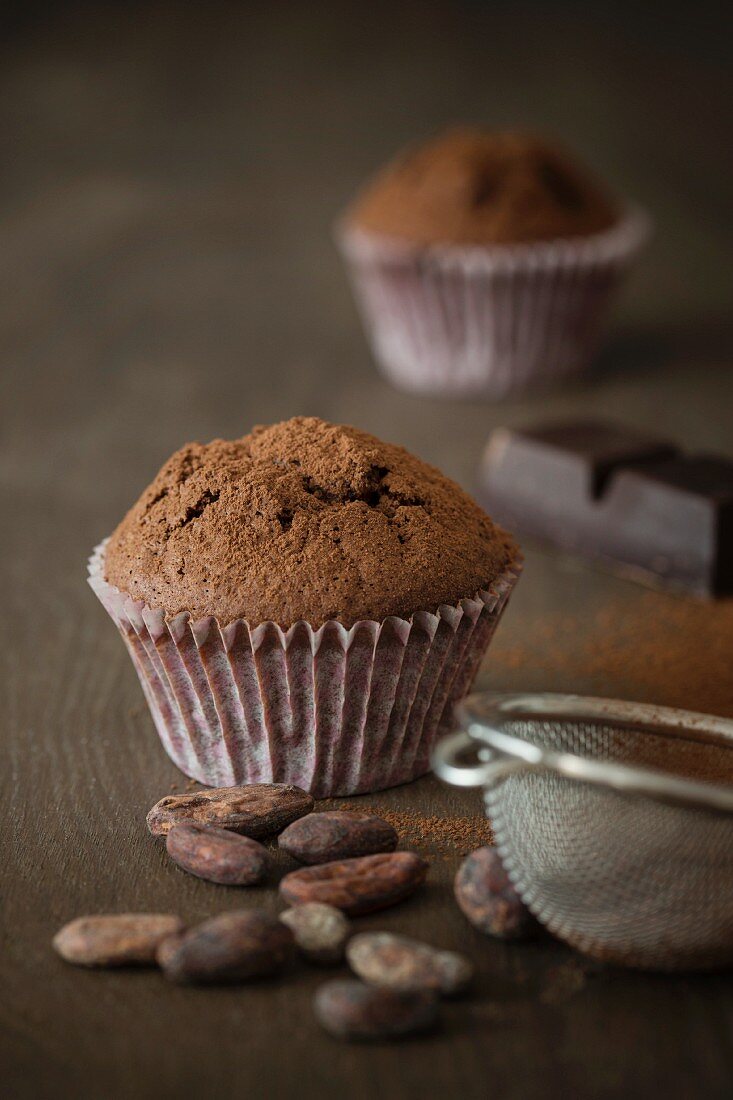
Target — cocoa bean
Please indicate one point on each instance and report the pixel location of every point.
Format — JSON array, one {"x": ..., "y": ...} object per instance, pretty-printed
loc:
[
  {"x": 233, "y": 947},
  {"x": 348, "y": 1009},
  {"x": 337, "y": 834},
  {"x": 167, "y": 949},
  {"x": 404, "y": 964},
  {"x": 217, "y": 855},
  {"x": 320, "y": 931},
  {"x": 260, "y": 809},
  {"x": 357, "y": 885},
  {"x": 487, "y": 897},
  {"x": 115, "y": 939}
]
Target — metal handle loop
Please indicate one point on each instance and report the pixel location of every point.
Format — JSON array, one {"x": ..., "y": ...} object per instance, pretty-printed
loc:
[{"x": 448, "y": 751}]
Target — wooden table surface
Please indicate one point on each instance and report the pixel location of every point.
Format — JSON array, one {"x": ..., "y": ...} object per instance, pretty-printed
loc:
[{"x": 170, "y": 177}]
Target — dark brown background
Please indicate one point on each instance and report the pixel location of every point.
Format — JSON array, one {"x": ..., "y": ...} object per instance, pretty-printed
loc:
[{"x": 170, "y": 177}]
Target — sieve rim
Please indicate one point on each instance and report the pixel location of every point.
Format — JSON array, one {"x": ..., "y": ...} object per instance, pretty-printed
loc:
[{"x": 482, "y": 716}]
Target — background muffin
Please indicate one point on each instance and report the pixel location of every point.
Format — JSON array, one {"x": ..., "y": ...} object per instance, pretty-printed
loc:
[
  {"x": 472, "y": 187},
  {"x": 304, "y": 605},
  {"x": 483, "y": 262}
]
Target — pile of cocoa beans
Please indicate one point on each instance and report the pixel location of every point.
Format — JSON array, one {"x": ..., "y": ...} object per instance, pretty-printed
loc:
[{"x": 350, "y": 867}]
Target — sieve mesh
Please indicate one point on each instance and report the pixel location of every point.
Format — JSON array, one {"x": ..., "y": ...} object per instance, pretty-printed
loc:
[
  {"x": 625, "y": 878},
  {"x": 613, "y": 819}
]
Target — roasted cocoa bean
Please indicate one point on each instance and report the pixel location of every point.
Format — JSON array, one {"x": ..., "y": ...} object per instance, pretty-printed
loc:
[
  {"x": 404, "y": 964},
  {"x": 337, "y": 834},
  {"x": 115, "y": 939},
  {"x": 233, "y": 947},
  {"x": 217, "y": 855},
  {"x": 350, "y": 1010},
  {"x": 257, "y": 810},
  {"x": 487, "y": 897},
  {"x": 357, "y": 885},
  {"x": 167, "y": 949},
  {"x": 320, "y": 931}
]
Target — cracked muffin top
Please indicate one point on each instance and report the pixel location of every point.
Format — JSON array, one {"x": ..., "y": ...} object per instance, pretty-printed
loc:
[
  {"x": 476, "y": 187},
  {"x": 303, "y": 520}
]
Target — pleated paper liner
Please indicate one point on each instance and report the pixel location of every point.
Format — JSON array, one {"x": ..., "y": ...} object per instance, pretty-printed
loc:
[
  {"x": 332, "y": 710},
  {"x": 491, "y": 320}
]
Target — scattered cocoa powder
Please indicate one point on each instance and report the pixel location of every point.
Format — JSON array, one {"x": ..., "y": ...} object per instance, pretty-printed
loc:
[
  {"x": 563, "y": 982},
  {"x": 449, "y": 835},
  {"x": 667, "y": 649}
]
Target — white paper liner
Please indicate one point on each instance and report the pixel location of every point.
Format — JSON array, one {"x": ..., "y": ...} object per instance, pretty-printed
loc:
[
  {"x": 491, "y": 320},
  {"x": 334, "y": 711}
]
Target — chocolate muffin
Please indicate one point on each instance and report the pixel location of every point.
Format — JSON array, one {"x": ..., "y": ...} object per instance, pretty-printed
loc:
[
  {"x": 476, "y": 187},
  {"x": 483, "y": 263},
  {"x": 304, "y": 605},
  {"x": 303, "y": 520}
]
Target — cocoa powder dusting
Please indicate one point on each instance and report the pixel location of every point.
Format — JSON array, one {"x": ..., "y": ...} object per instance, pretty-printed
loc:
[
  {"x": 471, "y": 186},
  {"x": 448, "y": 836},
  {"x": 667, "y": 650},
  {"x": 303, "y": 520}
]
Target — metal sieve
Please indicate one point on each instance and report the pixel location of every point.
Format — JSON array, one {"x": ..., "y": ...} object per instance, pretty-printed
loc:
[{"x": 614, "y": 820}]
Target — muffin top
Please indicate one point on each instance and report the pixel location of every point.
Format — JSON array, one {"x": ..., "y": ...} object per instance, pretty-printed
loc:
[
  {"x": 475, "y": 187},
  {"x": 303, "y": 520}
]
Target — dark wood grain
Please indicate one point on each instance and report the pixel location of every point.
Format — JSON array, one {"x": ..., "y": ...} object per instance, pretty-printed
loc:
[{"x": 170, "y": 177}]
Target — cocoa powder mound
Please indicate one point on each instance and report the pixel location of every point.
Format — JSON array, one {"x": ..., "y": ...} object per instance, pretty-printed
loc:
[
  {"x": 303, "y": 520},
  {"x": 474, "y": 187}
]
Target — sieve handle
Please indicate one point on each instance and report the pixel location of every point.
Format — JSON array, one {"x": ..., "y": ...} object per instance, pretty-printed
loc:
[{"x": 448, "y": 752}]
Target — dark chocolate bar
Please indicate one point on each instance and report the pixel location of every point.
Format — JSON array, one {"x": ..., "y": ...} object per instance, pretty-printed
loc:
[{"x": 636, "y": 502}]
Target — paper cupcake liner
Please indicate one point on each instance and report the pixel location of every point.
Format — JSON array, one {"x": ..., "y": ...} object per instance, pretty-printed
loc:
[
  {"x": 334, "y": 711},
  {"x": 494, "y": 320}
]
